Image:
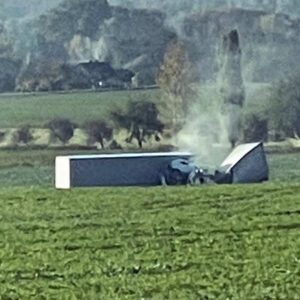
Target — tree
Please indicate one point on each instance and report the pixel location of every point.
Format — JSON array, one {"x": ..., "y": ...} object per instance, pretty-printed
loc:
[
  {"x": 284, "y": 107},
  {"x": 174, "y": 78},
  {"x": 141, "y": 121},
  {"x": 62, "y": 129},
  {"x": 98, "y": 131}
]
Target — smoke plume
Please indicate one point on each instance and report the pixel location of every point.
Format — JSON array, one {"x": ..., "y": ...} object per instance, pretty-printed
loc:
[
  {"x": 232, "y": 85},
  {"x": 214, "y": 121},
  {"x": 205, "y": 135}
]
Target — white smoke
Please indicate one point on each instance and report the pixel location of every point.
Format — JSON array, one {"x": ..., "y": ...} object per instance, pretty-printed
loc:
[{"x": 205, "y": 132}]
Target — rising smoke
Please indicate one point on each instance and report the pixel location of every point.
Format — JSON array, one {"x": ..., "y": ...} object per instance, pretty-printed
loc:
[
  {"x": 205, "y": 135},
  {"x": 214, "y": 123}
]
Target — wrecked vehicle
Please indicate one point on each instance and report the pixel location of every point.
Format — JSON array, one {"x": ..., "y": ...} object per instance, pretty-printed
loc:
[
  {"x": 182, "y": 171},
  {"x": 246, "y": 164}
]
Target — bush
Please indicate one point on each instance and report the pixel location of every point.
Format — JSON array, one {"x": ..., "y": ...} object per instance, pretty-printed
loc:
[
  {"x": 62, "y": 129},
  {"x": 98, "y": 131},
  {"x": 23, "y": 135}
]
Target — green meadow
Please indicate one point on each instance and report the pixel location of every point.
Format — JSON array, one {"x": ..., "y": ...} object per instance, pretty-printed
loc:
[
  {"x": 183, "y": 242},
  {"x": 38, "y": 109},
  {"x": 189, "y": 242},
  {"x": 204, "y": 242}
]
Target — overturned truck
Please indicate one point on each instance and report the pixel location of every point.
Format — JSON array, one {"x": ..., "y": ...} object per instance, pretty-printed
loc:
[{"x": 246, "y": 164}]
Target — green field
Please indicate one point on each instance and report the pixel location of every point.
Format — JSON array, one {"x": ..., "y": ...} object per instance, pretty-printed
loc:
[
  {"x": 36, "y": 110},
  {"x": 207, "y": 242},
  {"x": 200, "y": 242}
]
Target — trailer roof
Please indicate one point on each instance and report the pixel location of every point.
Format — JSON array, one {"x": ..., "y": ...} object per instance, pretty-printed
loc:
[
  {"x": 129, "y": 155},
  {"x": 237, "y": 154}
]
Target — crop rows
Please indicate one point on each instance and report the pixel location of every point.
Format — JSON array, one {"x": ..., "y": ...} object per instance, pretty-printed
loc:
[{"x": 215, "y": 242}]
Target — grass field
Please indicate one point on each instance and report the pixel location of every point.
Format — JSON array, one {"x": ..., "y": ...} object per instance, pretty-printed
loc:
[
  {"x": 202, "y": 242},
  {"x": 213, "y": 242},
  {"x": 36, "y": 110}
]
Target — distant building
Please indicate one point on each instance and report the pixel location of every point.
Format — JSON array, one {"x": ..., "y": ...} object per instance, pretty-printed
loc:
[{"x": 102, "y": 75}]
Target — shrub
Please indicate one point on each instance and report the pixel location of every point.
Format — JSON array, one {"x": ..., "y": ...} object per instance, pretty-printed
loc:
[
  {"x": 98, "y": 131},
  {"x": 23, "y": 135},
  {"x": 62, "y": 129}
]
